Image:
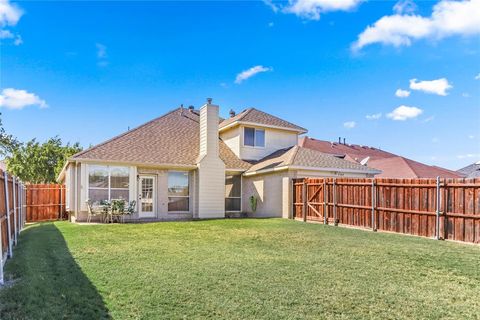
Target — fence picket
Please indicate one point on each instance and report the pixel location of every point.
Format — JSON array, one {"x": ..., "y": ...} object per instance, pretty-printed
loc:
[{"x": 435, "y": 208}]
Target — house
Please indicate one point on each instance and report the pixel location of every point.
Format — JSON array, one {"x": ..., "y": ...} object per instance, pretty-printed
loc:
[
  {"x": 192, "y": 164},
  {"x": 471, "y": 171},
  {"x": 391, "y": 165}
]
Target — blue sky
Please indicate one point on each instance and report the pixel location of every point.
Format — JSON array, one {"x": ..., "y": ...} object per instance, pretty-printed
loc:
[{"x": 90, "y": 70}]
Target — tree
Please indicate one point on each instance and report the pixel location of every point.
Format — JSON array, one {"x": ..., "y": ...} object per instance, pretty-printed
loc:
[
  {"x": 7, "y": 142},
  {"x": 35, "y": 162}
]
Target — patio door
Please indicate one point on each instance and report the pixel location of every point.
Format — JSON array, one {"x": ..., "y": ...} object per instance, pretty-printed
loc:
[{"x": 147, "y": 196}]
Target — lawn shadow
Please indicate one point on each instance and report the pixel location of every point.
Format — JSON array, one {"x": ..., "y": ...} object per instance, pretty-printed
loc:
[{"x": 48, "y": 283}]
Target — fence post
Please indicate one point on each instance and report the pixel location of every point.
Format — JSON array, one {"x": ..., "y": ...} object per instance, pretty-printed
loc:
[
  {"x": 7, "y": 205},
  {"x": 374, "y": 227},
  {"x": 334, "y": 202},
  {"x": 15, "y": 220},
  {"x": 324, "y": 200},
  {"x": 304, "y": 200},
  {"x": 437, "y": 211}
]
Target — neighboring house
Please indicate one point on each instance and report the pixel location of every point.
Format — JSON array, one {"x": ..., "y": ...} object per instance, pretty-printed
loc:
[
  {"x": 391, "y": 165},
  {"x": 192, "y": 164},
  {"x": 471, "y": 171}
]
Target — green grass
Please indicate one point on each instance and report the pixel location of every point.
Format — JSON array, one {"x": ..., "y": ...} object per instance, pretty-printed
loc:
[{"x": 236, "y": 269}]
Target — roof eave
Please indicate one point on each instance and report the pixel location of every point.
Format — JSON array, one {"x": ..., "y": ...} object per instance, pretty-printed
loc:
[{"x": 293, "y": 167}]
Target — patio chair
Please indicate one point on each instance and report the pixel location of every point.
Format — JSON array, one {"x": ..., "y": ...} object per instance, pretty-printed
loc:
[{"x": 91, "y": 211}]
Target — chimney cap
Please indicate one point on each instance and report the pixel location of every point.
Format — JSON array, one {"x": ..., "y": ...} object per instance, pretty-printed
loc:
[{"x": 209, "y": 100}]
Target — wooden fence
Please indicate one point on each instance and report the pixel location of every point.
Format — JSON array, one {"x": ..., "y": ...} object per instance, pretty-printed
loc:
[
  {"x": 436, "y": 208},
  {"x": 12, "y": 215},
  {"x": 45, "y": 202}
]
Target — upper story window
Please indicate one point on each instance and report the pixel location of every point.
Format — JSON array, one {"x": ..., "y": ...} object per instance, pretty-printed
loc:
[
  {"x": 253, "y": 137},
  {"x": 106, "y": 183}
]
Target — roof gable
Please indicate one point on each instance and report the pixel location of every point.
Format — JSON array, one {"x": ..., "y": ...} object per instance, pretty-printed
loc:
[{"x": 255, "y": 116}]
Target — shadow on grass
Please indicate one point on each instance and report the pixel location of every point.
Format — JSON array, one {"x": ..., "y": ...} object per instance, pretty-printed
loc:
[{"x": 46, "y": 281}]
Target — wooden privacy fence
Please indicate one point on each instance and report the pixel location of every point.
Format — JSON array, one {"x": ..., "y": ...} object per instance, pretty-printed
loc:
[
  {"x": 12, "y": 215},
  {"x": 45, "y": 202},
  {"x": 439, "y": 208}
]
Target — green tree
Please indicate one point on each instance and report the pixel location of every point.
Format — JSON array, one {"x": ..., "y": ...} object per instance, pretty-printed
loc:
[
  {"x": 7, "y": 142},
  {"x": 36, "y": 162}
]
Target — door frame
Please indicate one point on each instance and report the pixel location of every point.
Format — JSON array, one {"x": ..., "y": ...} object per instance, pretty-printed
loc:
[{"x": 152, "y": 214}]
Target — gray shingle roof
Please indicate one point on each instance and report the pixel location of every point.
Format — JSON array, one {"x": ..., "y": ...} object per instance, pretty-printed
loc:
[
  {"x": 256, "y": 116},
  {"x": 471, "y": 171},
  {"x": 172, "y": 139},
  {"x": 308, "y": 158}
]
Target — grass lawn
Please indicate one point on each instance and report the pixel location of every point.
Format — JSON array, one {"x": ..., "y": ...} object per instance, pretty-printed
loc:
[{"x": 236, "y": 269}]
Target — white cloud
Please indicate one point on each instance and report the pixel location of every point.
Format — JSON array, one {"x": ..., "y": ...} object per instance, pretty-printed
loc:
[
  {"x": 349, "y": 124},
  {"x": 431, "y": 118},
  {"x": 244, "y": 75},
  {"x": 404, "y": 112},
  {"x": 435, "y": 140},
  {"x": 375, "y": 116},
  {"x": 471, "y": 136},
  {"x": 439, "y": 86},
  {"x": 405, "y": 6},
  {"x": 466, "y": 95},
  {"x": 101, "y": 50},
  {"x": 448, "y": 18},
  {"x": 402, "y": 93},
  {"x": 468, "y": 155},
  {"x": 19, "y": 99},
  {"x": 477, "y": 77},
  {"x": 10, "y": 14},
  {"x": 311, "y": 9}
]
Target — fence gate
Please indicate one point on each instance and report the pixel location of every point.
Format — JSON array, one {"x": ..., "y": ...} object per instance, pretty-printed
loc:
[
  {"x": 45, "y": 202},
  {"x": 435, "y": 208}
]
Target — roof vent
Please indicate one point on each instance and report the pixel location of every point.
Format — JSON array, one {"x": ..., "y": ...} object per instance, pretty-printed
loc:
[
  {"x": 232, "y": 113},
  {"x": 209, "y": 100},
  {"x": 191, "y": 108}
]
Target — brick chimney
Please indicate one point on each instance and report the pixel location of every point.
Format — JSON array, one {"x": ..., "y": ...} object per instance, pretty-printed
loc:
[{"x": 211, "y": 169}]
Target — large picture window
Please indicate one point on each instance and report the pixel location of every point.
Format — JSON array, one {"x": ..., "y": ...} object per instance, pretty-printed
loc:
[
  {"x": 233, "y": 193},
  {"x": 178, "y": 191},
  {"x": 253, "y": 137},
  {"x": 106, "y": 183}
]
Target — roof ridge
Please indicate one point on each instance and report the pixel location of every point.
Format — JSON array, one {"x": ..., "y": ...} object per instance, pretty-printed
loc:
[
  {"x": 124, "y": 133},
  {"x": 294, "y": 154}
]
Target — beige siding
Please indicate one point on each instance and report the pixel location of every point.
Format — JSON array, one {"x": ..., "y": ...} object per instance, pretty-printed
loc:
[
  {"x": 211, "y": 169},
  {"x": 274, "y": 140},
  {"x": 269, "y": 191},
  {"x": 231, "y": 137}
]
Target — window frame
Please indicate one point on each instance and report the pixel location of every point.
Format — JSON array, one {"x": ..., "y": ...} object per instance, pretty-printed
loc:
[
  {"x": 255, "y": 138},
  {"x": 241, "y": 192},
  {"x": 109, "y": 187},
  {"x": 187, "y": 196}
]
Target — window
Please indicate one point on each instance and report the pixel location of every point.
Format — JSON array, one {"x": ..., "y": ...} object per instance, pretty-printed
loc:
[
  {"x": 233, "y": 193},
  {"x": 254, "y": 137},
  {"x": 108, "y": 183},
  {"x": 178, "y": 191}
]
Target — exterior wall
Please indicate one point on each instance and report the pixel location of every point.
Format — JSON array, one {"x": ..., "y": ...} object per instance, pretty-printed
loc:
[
  {"x": 275, "y": 139},
  {"x": 232, "y": 139},
  {"x": 274, "y": 191},
  {"x": 211, "y": 169},
  {"x": 271, "y": 191}
]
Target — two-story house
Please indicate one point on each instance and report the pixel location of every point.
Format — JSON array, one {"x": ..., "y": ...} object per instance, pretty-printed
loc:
[{"x": 192, "y": 164}]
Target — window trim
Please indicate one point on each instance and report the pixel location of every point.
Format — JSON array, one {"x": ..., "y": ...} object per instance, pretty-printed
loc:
[
  {"x": 109, "y": 188},
  {"x": 254, "y": 138},
  {"x": 189, "y": 200},
  {"x": 241, "y": 193}
]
